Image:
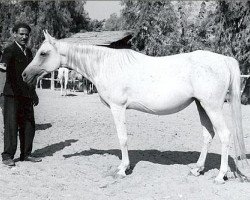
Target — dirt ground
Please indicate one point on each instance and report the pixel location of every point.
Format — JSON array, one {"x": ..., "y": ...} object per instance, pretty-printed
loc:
[{"x": 77, "y": 141}]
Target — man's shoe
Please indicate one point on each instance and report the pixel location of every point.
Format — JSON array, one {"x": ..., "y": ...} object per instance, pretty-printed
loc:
[
  {"x": 32, "y": 159},
  {"x": 9, "y": 162}
]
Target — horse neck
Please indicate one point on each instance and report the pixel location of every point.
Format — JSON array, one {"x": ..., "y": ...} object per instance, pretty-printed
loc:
[{"x": 85, "y": 59}]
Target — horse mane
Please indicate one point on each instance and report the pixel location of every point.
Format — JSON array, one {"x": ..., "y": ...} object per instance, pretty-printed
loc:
[{"x": 95, "y": 59}]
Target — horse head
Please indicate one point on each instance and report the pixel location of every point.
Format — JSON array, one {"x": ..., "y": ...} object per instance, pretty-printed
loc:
[{"x": 46, "y": 60}]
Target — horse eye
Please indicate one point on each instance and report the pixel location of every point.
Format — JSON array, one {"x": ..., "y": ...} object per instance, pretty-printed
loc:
[{"x": 43, "y": 54}]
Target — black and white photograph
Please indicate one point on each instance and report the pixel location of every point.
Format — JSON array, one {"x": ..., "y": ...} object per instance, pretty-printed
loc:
[{"x": 124, "y": 100}]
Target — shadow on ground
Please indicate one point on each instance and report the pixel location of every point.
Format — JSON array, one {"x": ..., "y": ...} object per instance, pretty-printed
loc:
[
  {"x": 162, "y": 157},
  {"x": 51, "y": 149},
  {"x": 43, "y": 126},
  {"x": 71, "y": 95}
]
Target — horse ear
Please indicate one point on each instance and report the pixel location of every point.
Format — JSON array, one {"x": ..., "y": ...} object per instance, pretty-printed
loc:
[
  {"x": 48, "y": 37},
  {"x": 45, "y": 33}
]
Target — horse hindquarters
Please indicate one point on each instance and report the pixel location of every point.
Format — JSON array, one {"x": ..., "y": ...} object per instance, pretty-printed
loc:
[
  {"x": 210, "y": 89},
  {"x": 213, "y": 108},
  {"x": 239, "y": 144}
]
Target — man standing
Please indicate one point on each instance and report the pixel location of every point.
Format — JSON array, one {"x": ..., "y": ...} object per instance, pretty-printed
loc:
[
  {"x": 2, "y": 82},
  {"x": 19, "y": 98}
]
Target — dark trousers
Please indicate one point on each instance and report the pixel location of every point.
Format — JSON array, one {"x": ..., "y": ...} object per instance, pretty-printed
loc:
[{"x": 18, "y": 118}]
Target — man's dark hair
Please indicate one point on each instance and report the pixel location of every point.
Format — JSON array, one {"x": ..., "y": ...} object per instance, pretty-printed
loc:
[{"x": 20, "y": 25}]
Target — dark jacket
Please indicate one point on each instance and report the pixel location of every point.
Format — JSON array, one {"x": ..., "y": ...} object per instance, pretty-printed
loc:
[{"x": 16, "y": 62}]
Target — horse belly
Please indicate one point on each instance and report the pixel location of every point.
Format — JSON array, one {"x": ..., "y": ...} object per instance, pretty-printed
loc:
[{"x": 160, "y": 104}]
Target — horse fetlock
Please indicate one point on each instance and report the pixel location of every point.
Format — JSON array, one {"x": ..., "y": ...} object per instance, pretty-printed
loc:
[
  {"x": 121, "y": 173},
  {"x": 117, "y": 174},
  {"x": 124, "y": 166},
  {"x": 196, "y": 171},
  {"x": 219, "y": 180}
]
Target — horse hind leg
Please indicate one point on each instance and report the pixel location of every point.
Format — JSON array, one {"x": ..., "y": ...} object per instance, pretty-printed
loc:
[
  {"x": 61, "y": 84},
  {"x": 65, "y": 87},
  {"x": 208, "y": 134},
  {"x": 216, "y": 116}
]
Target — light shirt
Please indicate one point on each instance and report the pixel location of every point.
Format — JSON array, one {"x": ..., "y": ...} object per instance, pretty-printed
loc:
[{"x": 23, "y": 49}]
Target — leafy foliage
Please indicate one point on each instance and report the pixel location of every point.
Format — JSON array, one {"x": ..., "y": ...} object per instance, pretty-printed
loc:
[
  {"x": 154, "y": 30},
  {"x": 168, "y": 27},
  {"x": 232, "y": 24},
  {"x": 60, "y": 18},
  {"x": 96, "y": 25},
  {"x": 113, "y": 23},
  {"x": 160, "y": 27}
]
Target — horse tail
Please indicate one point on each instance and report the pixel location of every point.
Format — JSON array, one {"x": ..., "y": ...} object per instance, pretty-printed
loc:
[{"x": 235, "y": 101}]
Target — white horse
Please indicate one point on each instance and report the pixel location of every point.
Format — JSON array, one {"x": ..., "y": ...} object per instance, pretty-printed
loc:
[
  {"x": 126, "y": 79},
  {"x": 63, "y": 77}
]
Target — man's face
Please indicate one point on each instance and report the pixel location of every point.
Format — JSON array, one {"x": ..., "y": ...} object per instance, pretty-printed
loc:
[{"x": 22, "y": 36}]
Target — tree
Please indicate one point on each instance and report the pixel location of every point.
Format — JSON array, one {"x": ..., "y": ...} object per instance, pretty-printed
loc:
[
  {"x": 60, "y": 18},
  {"x": 96, "y": 25},
  {"x": 204, "y": 31},
  {"x": 7, "y": 18},
  {"x": 154, "y": 27},
  {"x": 113, "y": 23},
  {"x": 232, "y": 28}
]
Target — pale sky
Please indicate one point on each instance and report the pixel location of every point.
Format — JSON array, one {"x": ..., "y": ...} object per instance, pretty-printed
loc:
[{"x": 102, "y": 9}]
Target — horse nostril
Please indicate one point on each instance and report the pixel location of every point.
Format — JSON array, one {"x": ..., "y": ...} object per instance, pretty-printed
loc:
[{"x": 24, "y": 75}]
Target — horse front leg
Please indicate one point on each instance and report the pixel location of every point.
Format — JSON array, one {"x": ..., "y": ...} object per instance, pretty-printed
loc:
[
  {"x": 65, "y": 87},
  {"x": 118, "y": 113},
  {"x": 61, "y": 83}
]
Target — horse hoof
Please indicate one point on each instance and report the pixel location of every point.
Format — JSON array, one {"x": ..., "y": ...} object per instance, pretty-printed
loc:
[
  {"x": 118, "y": 175},
  {"x": 195, "y": 172},
  {"x": 219, "y": 181},
  {"x": 121, "y": 173}
]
